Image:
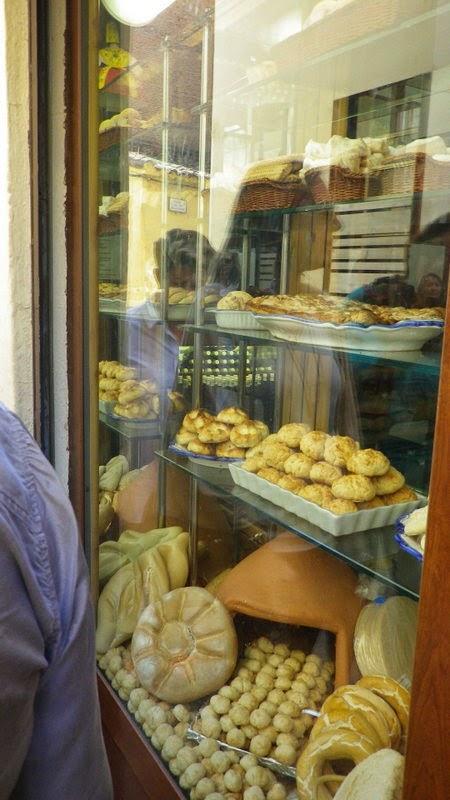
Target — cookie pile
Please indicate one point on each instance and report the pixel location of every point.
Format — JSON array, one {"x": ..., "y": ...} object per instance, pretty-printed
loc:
[
  {"x": 331, "y": 471},
  {"x": 261, "y": 709},
  {"x": 134, "y": 399},
  {"x": 227, "y": 435}
]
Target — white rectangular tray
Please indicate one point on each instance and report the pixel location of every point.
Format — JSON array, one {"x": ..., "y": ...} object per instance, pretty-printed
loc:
[
  {"x": 241, "y": 320},
  {"x": 337, "y": 525},
  {"x": 399, "y": 337}
]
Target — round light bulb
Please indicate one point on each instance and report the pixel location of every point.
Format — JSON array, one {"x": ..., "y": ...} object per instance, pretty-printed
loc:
[{"x": 136, "y": 13}]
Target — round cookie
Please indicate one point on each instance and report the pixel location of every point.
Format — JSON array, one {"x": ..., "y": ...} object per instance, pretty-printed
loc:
[
  {"x": 246, "y": 435},
  {"x": 298, "y": 465},
  {"x": 390, "y": 482},
  {"x": 338, "y": 450},
  {"x": 292, "y": 433},
  {"x": 214, "y": 433},
  {"x": 232, "y": 416},
  {"x": 370, "y": 463},
  {"x": 322, "y": 472},
  {"x": 313, "y": 444},
  {"x": 276, "y": 455},
  {"x": 358, "y": 488}
]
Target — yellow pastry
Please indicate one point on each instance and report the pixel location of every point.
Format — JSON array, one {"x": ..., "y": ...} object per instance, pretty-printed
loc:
[
  {"x": 404, "y": 495},
  {"x": 325, "y": 473},
  {"x": 358, "y": 488},
  {"x": 292, "y": 433},
  {"x": 340, "y": 506},
  {"x": 338, "y": 450},
  {"x": 228, "y": 450},
  {"x": 276, "y": 455},
  {"x": 298, "y": 465},
  {"x": 184, "y": 436},
  {"x": 368, "y": 462},
  {"x": 254, "y": 464},
  {"x": 196, "y": 419},
  {"x": 232, "y": 416},
  {"x": 313, "y": 444},
  {"x": 214, "y": 433},
  {"x": 234, "y": 301},
  {"x": 376, "y": 502},
  {"x": 269, "y": 474},
  {"x": 291, "y": 483},
  {"x": 315, "y": 493},
  {"x": 200, "y": 448},
  {"x": 246, "y": 435},
  {"x": 390, "y": 482}
]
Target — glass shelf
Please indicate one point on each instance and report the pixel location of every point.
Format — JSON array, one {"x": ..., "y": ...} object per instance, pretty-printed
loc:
[
  {"x": 426, "y": 361},
  {"x": 130, "y": 429},
  {"x": 374, "y": 552}
]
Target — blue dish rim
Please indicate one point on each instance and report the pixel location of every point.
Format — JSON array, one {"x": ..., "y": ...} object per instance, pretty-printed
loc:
[
  {"x": 398, "y": 536},
  {"x": 175, "y": 448},
  {"x": 432, "y": 323}
]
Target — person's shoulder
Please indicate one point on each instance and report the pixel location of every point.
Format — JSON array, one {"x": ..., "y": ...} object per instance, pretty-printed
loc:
[{"x": 15, "y": 444}]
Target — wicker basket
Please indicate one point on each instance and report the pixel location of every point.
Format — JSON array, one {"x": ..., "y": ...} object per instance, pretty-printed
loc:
[
  {"x": 337, "y": 185},
  {"x": 416, "y": 172},
  {"x": 269, "y": 195}
]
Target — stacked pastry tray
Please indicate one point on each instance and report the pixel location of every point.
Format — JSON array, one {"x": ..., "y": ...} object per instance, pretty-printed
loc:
[{"x": 337, "y": 525}]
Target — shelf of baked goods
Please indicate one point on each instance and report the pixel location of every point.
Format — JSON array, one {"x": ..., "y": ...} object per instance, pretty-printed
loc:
[
  {"x": 374, "y": 552},
  {"x": 425, "y": 361},
  {"x": 129, "y": 128}
]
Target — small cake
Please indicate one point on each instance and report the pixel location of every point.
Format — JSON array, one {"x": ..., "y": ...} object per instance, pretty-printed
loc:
[
  {"x": 313, "y": 444},
  {"x": 338, "y": 450},
  {"x": 322, "y": 472},
  {"x": 298, "y": 465},
  {"x": 370, "y": 463},
  {"x": 390, "y": 482},
  {"x": 232, "y": 416},
  {"x": 358, "y": 488},
  {"x": 292, "y": 433}
]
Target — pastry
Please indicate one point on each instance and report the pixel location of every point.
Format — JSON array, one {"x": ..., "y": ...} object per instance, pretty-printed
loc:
[
  {"x": 390, "y": 482},
  {"x": 368, "y": 462},
  {"x": 234, "y": 301},
  {"x": 325, "y": 473},
  {"x": 200, "y": 448},
  {"x": 313, "y": 444},
  {"x": 376, "y": 502},
  {"x": 132, "y": 394},
  {"x": 393, "y": 693},
  {"x": 271, "y": 439},
  {"x": 253, "y": 464},
  {"x": 276, "y": 455},
  {"x": 358, "y": 488},
  {"x": 343, "y": 744},
  {"x": 125, "y": 373},
  {"x": 403, "y": 495},
  {"x": 298, "y": 465},
  {"x": 184, "y": 646},
  {"x": 214, "y": 433},
  {"x": 315, "y": 493},
  {"x": 261, "y": 427},
  {"x": 184, "y": 436},
  {"x": 338, "y": 450},
  {"x": 232, "y": 416},
  {"x": 269, "y": 474},
  {"x": 229, "y": 450},
  {"x": 341, "y": 506},
  {"x": 378, "y": 777},
  {"x": 292, "y": 433},
  {"x": 416, "y": 523},
  {"x": 196, "y": 419},
  {"x": 255, "y": 451},
  {"x": 291, "y": 483},
  {"x": 246, "y": 435}
]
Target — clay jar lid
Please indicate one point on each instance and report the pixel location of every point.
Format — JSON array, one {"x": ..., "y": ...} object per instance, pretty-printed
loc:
[{"x": 288, "y": 580}]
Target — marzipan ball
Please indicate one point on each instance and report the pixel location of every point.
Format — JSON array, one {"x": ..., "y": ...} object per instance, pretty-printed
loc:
[
  {"x": 276, "y": 696},
  {"x": 211, "y": 728},
  {"x": 282, "y": 650},
  {"x": 207, "y": 747},
  {"x": 271, "y": 732},
  {"x": 240, "y": 715},
  {"x": 268, "y": 669},
  {"x": 271, "y": 708},
  {"x": 265, "y": 645},
  {"x": 277, "y": 792},
  {"x": 175, "y": 767},
  {"x": 248, "y": 761},
  {"x": 226, "y": 723},
  {"x": 230, "y": 692},
  {"x": 204, "y": 787},
  {"x": 248, "y": 701},
  {"x": 286, "y": 754},
  {"x": 192, "y": 775},
  {"x": 207, "y": 711},
  {"x": 232, "y": 781},
  {"x": 311, "y": 668},
  {"x": 163, "y": 732},
  {"x": 186, "y": 757},
  {"x": 257, "y": 776},
  {"x": 249, "y": 730},
  {"x": 220, "y": 762},
  {"x": 236, "y": 738},
  {"x": 253, "y": 665},
  {"x": 221, "y": 705},
  {"x": 181, "y": 729},
  {"x": 287, "y": 738},
  {"x": 290, "y": 709},
  {"x": 171, "y": 747},
  {"x": 181, "y": 713},
  {"x": 260, "y": 719},
  {"x": 275, "y": 660},
  {"x": 253, "y": 793},
  {"x": 260, "y": 693},
  {"x": 282, "y": 723},
  {"x": 260, "y": 745},
  {"x": 255, "y": 653},
  {"x": 264, "y": 680},
  {"x": 283, "y": 683}
]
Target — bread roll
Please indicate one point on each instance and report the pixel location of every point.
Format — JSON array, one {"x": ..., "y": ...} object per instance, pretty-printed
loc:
[
  {"x": 184, "y": 646},
  {"x": 379, "y": 777}
]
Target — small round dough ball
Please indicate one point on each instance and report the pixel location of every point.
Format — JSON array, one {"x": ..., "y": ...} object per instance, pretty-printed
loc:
[
  {"x": 276, "y": 792},
  {"x": 282, "y": 723},
  {"x": 207, "y": 711},
  {"x": 257, "y": 776},
  {"x": 338, "y": 449},
  {"x": 290, "y": 709},
  {"x": 204, "y": 787},
  {"x": 260, "y": 745},
  {"x": 207, "y": 747},
  {"x": 220, "y": 762},
  {"x": 287, "y": 738},
  {"x": 211, "y": 728},
  {"x": 275, "y": 660},
  {"x": 226, "y": 723},
  {"x": 156, "y": 716},
  {"x": 248, "y": 701},
  {"x": 283, "y": 683},
  {"x": 181, "y": 729},
  {"x": 321, "y": 684},
  {"x": 163, "y": 732},
  {"x": 268, "y": 669},
  {"x": 282, "y": 650},
  {"x": 260, "y": 719},
  {"x": 315, "y": 696},
  {"x": 221, "y": 705},
  {"x": 299, "y": 655},
  {"x": 253, "y": 665},
  {"x": 276, "y": 696},
  {"x": 181, "y": 713},
  {"x": 264, "y": 680},
  {"x": 175, "y": 767},
  {"x": 253, "y": 793},
  {"x": 286, "y": 754},
  {"x": 248, "y": 761},
  {"x": 214, "y": 796},
  {"x": 293, "y": 663},
  {"x": 171, "y": 747},
  {"x": 314, "y": 658},
  {"x": 260, "y": 693},
  {"x": 311, "y": 668},
  {"x": 265, "y": 644},
  {"x": 271, "y": 732},
  {"x": 239, "y": 715},
  {"x": 249, "y": 730},
  {"x": 193, "y": 774},
  {"x": 232, "y": 780},
  {"x": 307, "y": 679},
  {"x": 245, "y": 673},
  {"x": 236, "y": 738},
  {"x": 271, "y": 708},
  {"x": 255, "y": 653},
  {"x": 313, "y": 444},
  {"x": 369, "y": 462},
  {"x": 229, "y": 691},
  {"x": 284, "y": 670},
  {"x": 300, "y": 726}
]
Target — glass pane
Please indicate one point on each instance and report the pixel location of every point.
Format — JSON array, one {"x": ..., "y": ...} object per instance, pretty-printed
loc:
[{"x": 273, "y": 253}]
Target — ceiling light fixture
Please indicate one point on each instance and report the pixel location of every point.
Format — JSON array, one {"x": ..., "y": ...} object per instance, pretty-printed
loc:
[{"x": 136, "y": 13}]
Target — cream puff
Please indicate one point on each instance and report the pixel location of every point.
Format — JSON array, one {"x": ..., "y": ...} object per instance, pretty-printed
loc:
[
  {"x": 276, "y": 455},
  {"x": 246, "y": 435},
  {"x": 298, "y": 465},
  {"x": 292, "y": 433},
  {"x": 322, "y": 472},
  {"x": 370, "y": 463},
  {"x": 390, "y": 482},
  {"x": 313, "y": 444},
  {"x": 232, "y": 416},
  {"x": 214, "y": 433},
  {"x": 338, "y": 450},
  {"x": 358, "y": 488}
]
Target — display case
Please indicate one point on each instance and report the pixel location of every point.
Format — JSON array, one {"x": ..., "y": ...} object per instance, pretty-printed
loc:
[{"x": 266, "y": 266}]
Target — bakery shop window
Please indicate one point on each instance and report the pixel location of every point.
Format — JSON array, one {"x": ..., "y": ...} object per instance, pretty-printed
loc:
[{"x": 272, "y": 267}]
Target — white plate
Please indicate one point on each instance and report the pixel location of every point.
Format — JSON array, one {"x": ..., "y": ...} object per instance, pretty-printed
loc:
[
  {"x": 410, "y": 335},
  {"x": 337, "y": 525},
  {"x": 205, "y": 461},
  {"x": 241, "y": 320}
]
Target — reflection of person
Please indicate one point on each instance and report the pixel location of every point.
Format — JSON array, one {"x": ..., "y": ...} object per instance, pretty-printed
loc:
[
  {"x": 389, "y": 290},
  {"x": 50, "y": 729},
  {"x": 226, "y": 271},
  {"x": 181, "y": 256},
  {"x": 429, "y": 292}
]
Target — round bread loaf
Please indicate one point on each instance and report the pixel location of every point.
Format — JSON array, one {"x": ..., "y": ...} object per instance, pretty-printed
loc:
[
  {"x": 184, "y": 646},
  {"x": 379, "y": 777}
]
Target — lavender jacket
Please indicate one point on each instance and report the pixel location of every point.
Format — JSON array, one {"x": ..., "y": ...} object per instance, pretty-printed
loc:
[{"x": 51, "y": 743}]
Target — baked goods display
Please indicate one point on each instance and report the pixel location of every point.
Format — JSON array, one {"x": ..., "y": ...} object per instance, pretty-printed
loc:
[
  {"x": 385, "y": 638},
  {"x": 379, "y": 777},
  {"x": 260, "y": 710},
  {"x": 356, "y": 722},
  {"x": 112, "y": 291},
  {"x": 184, "y": 645},
  {"x": 178, "y": 296},
  {"x": 234, "y": 301},
  {"x": 330, "y": 471},
  {"x": 229, "y": 434},
  {"x": 132, "y": 398}
]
